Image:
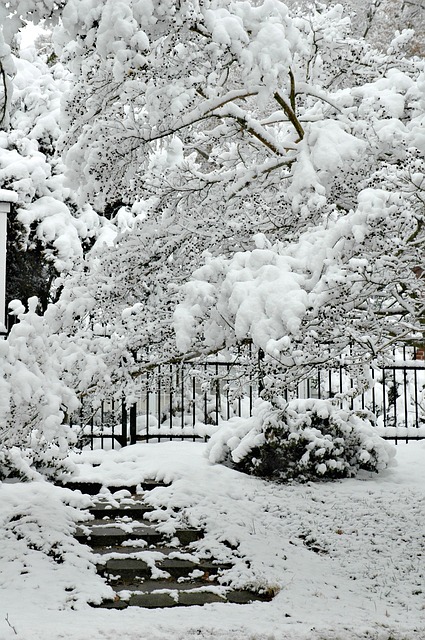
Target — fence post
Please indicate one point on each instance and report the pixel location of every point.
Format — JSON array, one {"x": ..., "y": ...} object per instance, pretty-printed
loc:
[
  {"x": 123, "y": 423},
  {"x": 260, "y": 372},
  {"x": 133, "y": 423},
  {"x": 7, "y": 198}
]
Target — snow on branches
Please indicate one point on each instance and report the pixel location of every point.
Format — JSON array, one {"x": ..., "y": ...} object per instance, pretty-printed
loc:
[
  {"x": 30, "y": 167},
  {"x": 264, "y": 168},
  {"x": 221, "y": 125},
  {"x": 351, "y": 282}
]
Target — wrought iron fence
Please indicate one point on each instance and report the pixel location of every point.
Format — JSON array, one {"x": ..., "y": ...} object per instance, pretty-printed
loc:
[
  {"x": 189, "y": 400},
  {"x": 176, "y": 402}
]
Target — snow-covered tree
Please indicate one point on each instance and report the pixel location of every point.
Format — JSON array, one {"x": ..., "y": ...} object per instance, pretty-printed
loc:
[
  {"x": 378, "y": 20},
  {"x": 213, "y": 128},
  {"x": 265, "y": 171},
  {"x": 47, "y": 231}
]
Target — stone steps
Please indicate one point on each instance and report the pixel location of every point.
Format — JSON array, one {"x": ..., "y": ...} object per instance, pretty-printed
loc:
[
  {"x": 170, "y": 584},
  {"x": 130, "y": 568},
  {"x": 162, "y": 600},
  {"x": 135, "y": 511},
  {"x": 110, "y": 535},
  {"x": 94, "y": 488},
  {"x": 144, "y": 567}
]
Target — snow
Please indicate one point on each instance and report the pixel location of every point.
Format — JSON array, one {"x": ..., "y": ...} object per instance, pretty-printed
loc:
[
  {"x": 345, "y": 558},
  {"x": 8, "y": 196},
  {"x": 55, "y": 226}
]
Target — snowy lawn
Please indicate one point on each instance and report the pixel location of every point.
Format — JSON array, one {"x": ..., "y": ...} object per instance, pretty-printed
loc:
[{"x": 346, "y": 559}]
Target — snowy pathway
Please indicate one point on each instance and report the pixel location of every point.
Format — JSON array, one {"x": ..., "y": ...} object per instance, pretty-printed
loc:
[{"x": 346, "y": 559}]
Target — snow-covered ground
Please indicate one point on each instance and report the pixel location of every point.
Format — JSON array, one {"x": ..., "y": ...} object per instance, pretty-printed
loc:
[{"x": 346, "y": 559}]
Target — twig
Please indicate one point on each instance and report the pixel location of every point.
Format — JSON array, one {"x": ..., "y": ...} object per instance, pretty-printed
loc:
[{"x": 11, "y": 625}]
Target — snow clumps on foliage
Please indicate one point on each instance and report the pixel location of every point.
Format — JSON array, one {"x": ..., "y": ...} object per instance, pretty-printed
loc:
[{"x": 303, "y": 440}]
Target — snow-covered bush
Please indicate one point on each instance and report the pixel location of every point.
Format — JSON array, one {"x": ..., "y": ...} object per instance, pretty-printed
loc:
[
  {"x": 39, "y": 461},
  {"x": 302, "y": 440},
  {"x": 35, "y": 394}
]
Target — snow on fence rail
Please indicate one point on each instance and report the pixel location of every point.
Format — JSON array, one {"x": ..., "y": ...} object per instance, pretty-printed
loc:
[{"x": 189, "y": 401}]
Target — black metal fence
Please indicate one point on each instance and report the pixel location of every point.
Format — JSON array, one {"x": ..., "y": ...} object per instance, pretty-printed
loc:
[
  {"x": 175, "y": 402},
  {"x": 189, "y": 400}
]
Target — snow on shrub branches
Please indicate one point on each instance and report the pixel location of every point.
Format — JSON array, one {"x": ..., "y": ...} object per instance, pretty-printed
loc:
[{"x": 302, "y": 440}]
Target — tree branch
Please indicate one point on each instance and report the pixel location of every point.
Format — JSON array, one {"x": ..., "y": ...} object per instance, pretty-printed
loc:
[
  {"x": 4, "y": 107},
  {"x": 205, "y": 110},
  {"x": 292, "y": 94},
  {"x": 245, "y": 127},
  {"x": 290, "y": 113},
  {"x": 265, "y": 169}
]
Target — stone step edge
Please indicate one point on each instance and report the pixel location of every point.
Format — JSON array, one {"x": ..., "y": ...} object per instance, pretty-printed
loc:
[
  {"x": 171, "y": 584},
  {"x": 184, "y": 563},
  {"x": 132, "y": 552},
  {"x": 143, "y": 570},
  {"x": 104, "y": 539},
  {"x": 94, "y": 488},
  {"x": 164, "y": 599},
  {"x": 111, "y": 513}
]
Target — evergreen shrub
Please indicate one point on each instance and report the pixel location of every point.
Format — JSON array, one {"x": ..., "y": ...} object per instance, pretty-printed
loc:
[{"x": 301, "y": 440}]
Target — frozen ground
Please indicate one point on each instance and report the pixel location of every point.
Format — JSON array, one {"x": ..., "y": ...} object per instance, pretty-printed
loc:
[{"x": 346, "y": 559}]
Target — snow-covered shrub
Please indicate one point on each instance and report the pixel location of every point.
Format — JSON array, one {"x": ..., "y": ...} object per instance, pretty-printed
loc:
[
  {"x": 303, "y": 440},
  {"x": 41, "y": 460},
  {"x": 35, "y": 395}
]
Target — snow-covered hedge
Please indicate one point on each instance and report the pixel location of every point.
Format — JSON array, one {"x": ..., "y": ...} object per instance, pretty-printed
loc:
[{"x": 303, "y": 440}]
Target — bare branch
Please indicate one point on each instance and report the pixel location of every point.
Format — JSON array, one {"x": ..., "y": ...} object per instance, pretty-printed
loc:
[
  {"x": 292, "y": 94},
  {"x": 290, "y": 114},
  {"x": 3, "y": 113}
]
